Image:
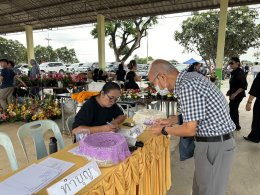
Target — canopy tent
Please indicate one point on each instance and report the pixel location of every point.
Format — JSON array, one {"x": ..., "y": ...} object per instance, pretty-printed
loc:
[{"x": 190, "y": 61}]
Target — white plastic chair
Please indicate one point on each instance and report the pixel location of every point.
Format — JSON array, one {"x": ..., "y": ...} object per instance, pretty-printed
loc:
[
  {"x": 6, "y": 142},
  {"x": 36, "y": 131}
]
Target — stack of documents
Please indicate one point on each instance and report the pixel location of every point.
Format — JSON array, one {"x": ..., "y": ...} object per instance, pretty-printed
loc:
[{"x": 35, "y": 177}]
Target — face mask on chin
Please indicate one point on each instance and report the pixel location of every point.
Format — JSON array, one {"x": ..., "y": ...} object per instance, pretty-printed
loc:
[{"x": 162, "y": 92}]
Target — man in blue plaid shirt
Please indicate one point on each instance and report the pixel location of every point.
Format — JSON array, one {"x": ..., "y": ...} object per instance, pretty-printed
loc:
[{"x": 206, "y": 117}]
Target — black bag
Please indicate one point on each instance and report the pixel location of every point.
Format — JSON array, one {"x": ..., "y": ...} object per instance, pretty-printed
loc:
[{"x": 186, "y": 145}]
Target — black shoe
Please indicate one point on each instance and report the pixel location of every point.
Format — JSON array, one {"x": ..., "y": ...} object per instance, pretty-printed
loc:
[
  {"x": 247, "y": 139},
  {"x": 238, "y": 128}
]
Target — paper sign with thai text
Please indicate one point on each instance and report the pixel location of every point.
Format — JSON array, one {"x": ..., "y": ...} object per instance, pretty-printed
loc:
[{"x": 76, "y": 181}]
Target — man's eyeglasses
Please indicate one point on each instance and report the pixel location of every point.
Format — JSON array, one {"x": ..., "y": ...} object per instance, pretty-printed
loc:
[
  {"x": 231, "y": 63},
  {"x": 112, "y": 99}
]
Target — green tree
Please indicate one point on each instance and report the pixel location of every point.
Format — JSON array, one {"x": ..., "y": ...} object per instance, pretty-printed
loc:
[
  {"x": 125, "y": 35},
  {"x": 200, "y": 33},
  {"x": 66, "y": 55},
  {"x": 12, "y": 50},
  {"x": 143, "y": 60},
  {"x": 45, "y": 54}
]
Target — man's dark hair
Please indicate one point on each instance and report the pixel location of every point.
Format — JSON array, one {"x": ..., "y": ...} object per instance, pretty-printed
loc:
[
  {"x": 12, "y": 63},
  {"x": 110, "y": 86},
  {"x": 236, "y": 59},
  {"x": 4, "y": 60}
]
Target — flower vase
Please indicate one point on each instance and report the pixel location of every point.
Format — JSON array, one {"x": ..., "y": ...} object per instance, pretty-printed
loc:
[{"x": 60, "y": 84}]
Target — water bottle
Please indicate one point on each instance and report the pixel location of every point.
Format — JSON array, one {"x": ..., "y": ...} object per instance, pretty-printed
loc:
[{"x": 53, "y": 145}]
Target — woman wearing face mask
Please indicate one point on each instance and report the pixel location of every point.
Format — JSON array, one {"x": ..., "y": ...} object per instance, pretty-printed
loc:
[{"x": 237, "y": 87}]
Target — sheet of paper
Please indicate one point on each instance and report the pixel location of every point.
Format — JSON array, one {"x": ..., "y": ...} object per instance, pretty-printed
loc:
[
  {"x": 8, "y": 190},
  {"x": 31, "y": 179},
  {"x": 76, "y": 181},
  {"x": 57, "y": 164}
]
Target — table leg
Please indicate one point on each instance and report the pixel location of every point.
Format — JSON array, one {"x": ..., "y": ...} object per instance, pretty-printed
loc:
[{"x": 63, "y": 116}]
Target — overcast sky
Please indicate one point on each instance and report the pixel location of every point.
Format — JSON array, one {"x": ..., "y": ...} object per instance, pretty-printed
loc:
[{"x": 160, "y": 41}]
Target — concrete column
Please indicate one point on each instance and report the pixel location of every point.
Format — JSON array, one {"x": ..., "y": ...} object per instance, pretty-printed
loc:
[
  {"x": 101, "y": 41},
  {"x": 221, "y": 37},
  {"x": 29, "y": 41}
]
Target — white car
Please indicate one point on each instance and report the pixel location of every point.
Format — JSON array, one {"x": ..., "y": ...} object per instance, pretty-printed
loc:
[
  {"x": 85, "y": 67},
  {"x": 23, "y": 68},
  {"x": 72, "y": 68},
  {"x": 56, "y": 67}
]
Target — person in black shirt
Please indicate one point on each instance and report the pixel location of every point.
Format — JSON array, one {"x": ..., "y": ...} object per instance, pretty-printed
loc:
[
  {"x": 246, "y": 69},
  {"x": 102, "y": 76},
  {"x": 95, "y": 74},
  {"x": 100, "y": 113},
  {"x": 130, "y": 81},
  {"x": 120, "y": 73},
  {"x": 254, "y": 135},
  {"x": 236, "y": 92},
  {"x": 132, "y": 66},
  {"x": 7, "y": 83}
]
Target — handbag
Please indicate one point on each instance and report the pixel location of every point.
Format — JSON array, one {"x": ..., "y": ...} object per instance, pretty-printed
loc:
[{"x": 186, "y": 145}]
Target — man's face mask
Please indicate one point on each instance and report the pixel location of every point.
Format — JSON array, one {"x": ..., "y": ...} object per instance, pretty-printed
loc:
[{"x": 162, "y": 92}]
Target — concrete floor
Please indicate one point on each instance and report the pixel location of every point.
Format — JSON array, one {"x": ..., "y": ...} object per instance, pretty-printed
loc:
[{"x": 245, "y": 174}]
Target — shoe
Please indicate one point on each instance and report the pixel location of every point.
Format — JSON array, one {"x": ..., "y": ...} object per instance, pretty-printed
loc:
[
  {"x": 247, "y": 139},
  {"x": 238, "y": 128}
]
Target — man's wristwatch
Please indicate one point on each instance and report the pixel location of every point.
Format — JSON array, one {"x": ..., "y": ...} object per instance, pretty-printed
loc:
[{"x": 164, "y": 132}]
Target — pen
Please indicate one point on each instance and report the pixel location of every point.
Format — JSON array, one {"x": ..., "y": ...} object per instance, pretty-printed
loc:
[{"x": 109, "y": 123}]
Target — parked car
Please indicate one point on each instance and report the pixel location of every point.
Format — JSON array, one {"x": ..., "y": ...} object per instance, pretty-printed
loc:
[
  {"x": 72, "y": 68},
  {"x": 24, "y": 68},
  {"x": 110, "y": 67},
  {"x": 85, "y": 67},
  {"x": 57, "y": 67}
]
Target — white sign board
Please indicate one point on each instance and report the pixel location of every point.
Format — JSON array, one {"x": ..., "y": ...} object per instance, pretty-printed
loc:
[{"x": 76, "y": 181}]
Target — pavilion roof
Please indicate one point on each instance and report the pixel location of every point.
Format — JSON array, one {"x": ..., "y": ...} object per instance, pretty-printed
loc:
[{"x": 47, "y": 14}]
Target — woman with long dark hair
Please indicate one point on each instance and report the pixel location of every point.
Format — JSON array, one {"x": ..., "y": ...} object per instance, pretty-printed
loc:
[{"x": 236, "y": 92}]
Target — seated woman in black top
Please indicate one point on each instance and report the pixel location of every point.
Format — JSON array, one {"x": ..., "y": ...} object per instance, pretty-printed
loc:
[
  {"x": 100, "y": 113},
  {"x": 120, "y": 73},
  {"x": 130, "y": 81},
  {"x": 102, "y": 76},
  {"x": 95, "y": 74}
]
